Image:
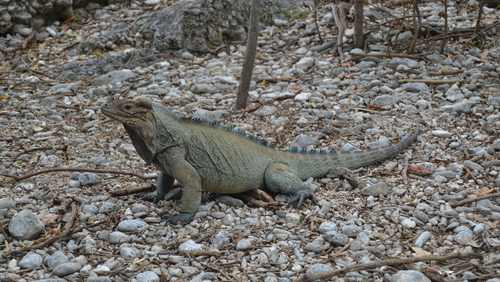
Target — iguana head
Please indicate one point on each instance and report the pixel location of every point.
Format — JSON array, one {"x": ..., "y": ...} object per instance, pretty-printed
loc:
[
  {"x": 138, "y": 119},
  {"x": 131, "y": 112}
]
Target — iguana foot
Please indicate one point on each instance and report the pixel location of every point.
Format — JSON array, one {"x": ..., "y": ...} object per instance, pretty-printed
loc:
[
  {"x": 346, "y": 174},
  {"x": 155, "y": 197},
  {"x": 182, "y": 218},
  {"x": 150, "y": 197},
  {"x": 298, "y": 198}
]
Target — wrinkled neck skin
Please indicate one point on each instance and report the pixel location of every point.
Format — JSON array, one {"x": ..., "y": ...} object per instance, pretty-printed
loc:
[
  {"x": 159, "y": 131},
  {"x": 142, "y": 136}
]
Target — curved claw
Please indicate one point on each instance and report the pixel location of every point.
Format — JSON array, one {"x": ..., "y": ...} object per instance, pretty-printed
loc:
[
  {"x": 181, "y": 218},
  {"x": 150, "y": 197},
  {"x": 299, "y": 197},
  {"x": 173, "y": 194}
]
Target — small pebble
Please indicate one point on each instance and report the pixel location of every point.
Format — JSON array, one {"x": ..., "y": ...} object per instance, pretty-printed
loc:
[
  {"x": 423, "y": 238},
  {"x": 66, "y": 268},
  {"x": 131, "y": 225},
  {"x": 147, "y": 276},
  {"x": 31, "y": 261}
]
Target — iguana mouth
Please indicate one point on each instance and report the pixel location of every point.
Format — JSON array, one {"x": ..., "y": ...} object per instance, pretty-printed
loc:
[{"x": 112, "y": 114}]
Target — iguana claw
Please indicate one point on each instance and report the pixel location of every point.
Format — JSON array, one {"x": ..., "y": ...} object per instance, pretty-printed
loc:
[
  {"x": 181, "y": 218},
  {"x": 156, "y": 197},
  {"x": 297, "y": 200}
]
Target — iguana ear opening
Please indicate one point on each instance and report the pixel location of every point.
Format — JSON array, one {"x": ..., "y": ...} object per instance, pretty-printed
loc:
[{"x": 143, "y": 102}]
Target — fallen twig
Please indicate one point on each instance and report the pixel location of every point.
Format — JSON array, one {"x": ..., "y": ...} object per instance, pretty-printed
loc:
[
  {"x": 445, "y": 15},
  {"x": 475, "y": 199},
  {"x": 431, "y": 81},
  {"x": 261, "y": 195},
  {"x": 57, "y": 169},
  {"x": 205, "y": 253},
  {"x": 446, "y": 72},
  {"x": 492, "y": 163},
  {"x": 136, "y": 190},
  {"x": 216, "y": 269},
  {"x": 404, "y": 172},
  {"x": 324, "y": 46},
  {"x": 387, "y": 262},
  {"x": 315, "y": 2},
  {"x": 66, "y": 231},
  {"x": 64, "y": 147},
  {"x": 386, "y": 55}
]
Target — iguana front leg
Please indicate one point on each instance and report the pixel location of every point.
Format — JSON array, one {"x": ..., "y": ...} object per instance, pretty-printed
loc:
[
  {"x": 279, "y": 178},
  {"x": 172, "y": 161}
]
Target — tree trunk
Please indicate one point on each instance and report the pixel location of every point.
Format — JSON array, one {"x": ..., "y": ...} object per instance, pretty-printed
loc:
[
  {"x": 358, "y": 24},
  {"x": 248, "y": 63},
  {"x": 445, "y": 15}
]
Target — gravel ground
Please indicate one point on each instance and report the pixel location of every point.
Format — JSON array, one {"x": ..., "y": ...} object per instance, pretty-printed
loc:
[{"x": 51, "y": 92}]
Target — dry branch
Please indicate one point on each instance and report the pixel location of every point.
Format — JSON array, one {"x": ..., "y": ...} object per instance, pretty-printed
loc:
[
  {"x": 358, "y": 24},
  {"x": 386, "y": 55},
  {"x": 315, "y": 2},
  {"x": 431, "y": 81},
  {"x": 136, "y": 190},
  {"x": 475, "y": 199},
  {"x": 31, "y": 150},
  {"x": 417, "y": 22},
  {"x": 387, "y": 262},
  {"x": 479, "y": 16},
  {"x": 66, "y": 231},
  {"x": 445, "y": 15},
  {"x": 249, "y": 62},
  {"x": 58, "y": 169},
  {"x": 446, "y": 72}
]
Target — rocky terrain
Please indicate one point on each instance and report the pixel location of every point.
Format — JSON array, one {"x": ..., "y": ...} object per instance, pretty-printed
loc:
[{"x": 438, "y": 198}]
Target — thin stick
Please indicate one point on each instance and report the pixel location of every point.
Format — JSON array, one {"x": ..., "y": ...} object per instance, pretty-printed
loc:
[
  {"x": 432, "y": 81},
  {"x": 386, "y": 55},
  {"x": 136, "y": 190},
  {"x": 31, "y": 150},
  {"x": 249, "y": 61},
  {"x": 57, "y": 169},
  {"x": 404, "y": 172},
  {"x": 446, "y": 72},
  {"x": 475, "y": 199},
  {"x": 262, "y": 195},
  {"x": 315, "y": 2},
  {"x": 492, "y": 163},
  {"x": 479, "y": 16},
  {"x": 443, "y": 43},
  {"x": 358, "y": 24},
  {"x": 390, "y": 262},
  {"x": 66, "y": 231},
  {"x": 417, "y": 21}
]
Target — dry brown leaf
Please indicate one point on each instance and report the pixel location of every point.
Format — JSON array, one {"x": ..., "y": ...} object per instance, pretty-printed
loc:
[
  {"x": 418, "y": 170},
  {"x": 419, "y": 252}
]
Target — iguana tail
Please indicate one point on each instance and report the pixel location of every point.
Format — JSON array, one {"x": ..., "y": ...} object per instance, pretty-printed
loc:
[{"x": 317, "y": 165}]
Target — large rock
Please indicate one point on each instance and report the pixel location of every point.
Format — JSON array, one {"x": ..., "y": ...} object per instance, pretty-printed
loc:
[
  {"x": 195, "y": 25},
  {"x": 25, "y": 225},
  {"x": 32, "y": 14},
  {"x": 409, "y": 276}
]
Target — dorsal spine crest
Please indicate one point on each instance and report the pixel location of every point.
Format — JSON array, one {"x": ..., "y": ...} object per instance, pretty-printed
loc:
[{"x": 257, "y": 139}]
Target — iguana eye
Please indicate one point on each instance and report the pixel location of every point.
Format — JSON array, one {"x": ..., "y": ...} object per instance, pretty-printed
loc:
[{"x": 127, "y": 107}]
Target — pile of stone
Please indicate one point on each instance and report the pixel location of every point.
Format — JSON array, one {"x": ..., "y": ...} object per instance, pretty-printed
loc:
[{"x": 25, "y": 16}]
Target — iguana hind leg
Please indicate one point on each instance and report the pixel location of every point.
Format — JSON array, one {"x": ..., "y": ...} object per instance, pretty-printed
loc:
[{"x": 279, "y": 178}]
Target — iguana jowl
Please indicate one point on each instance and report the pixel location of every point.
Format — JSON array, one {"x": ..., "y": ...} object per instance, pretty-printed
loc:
[{"x": 206, "y": 158}]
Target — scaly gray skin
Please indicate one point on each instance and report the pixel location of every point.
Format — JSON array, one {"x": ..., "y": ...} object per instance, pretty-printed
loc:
[{"x": 206, "y": 158}]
